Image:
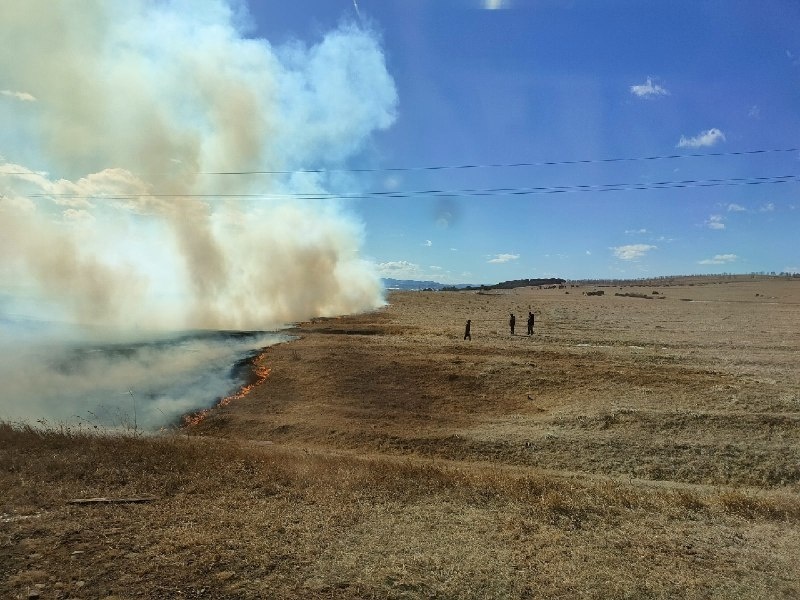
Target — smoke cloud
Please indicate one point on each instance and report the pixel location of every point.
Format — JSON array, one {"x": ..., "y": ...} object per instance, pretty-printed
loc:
[
  {"x": 60, "y": 377},
  {"x": 108, "y": 213},
  {"x": 117, "y": 119}
]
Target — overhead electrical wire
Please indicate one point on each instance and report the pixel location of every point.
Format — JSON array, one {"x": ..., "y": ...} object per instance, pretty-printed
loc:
[
  {"x": 469, "y": 192},
  {"x": 548, "y": 163},
  {"x": 440, "y": 193}
]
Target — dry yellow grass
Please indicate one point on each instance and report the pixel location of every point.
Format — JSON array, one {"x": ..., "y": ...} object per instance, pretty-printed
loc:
[{"x": 631, "y": 448}]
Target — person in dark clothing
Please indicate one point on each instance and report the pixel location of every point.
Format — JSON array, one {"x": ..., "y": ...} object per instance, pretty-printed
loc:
[
  {"x": 467, "y": 334},
  {"x": 531, "y": 320},
  {"x": 511, "y": 322}
]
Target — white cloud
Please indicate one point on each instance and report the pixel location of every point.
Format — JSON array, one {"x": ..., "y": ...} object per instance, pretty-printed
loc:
[
  {"x": 588, "y": 253},
  {"x": 632, "y": 251},
  {"x": 22, "y": 96},
  {"x": 715, "y": 222},
  {"x": 704, "y": 138},
  {"x": 635, "y": 231},
  {"x": 648, "y": 89},
  {"x": 768, "y": 207},
  {"x": 503, "y": 258},
  {"x": 427, "y": 243},
  {"x": 754, "y": 112},
  {"x": 719, "y": 259},
  {"x": 397, "y": 268},
  {"x": 736, "y": 208},
  {"x": 495, "y": 4}
]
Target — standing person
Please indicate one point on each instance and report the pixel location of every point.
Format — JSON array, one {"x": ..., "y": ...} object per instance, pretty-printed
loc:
[
  {"x": 467, "y": 334},
  {"x": 531, "y": 319},
  {"x": 511, "y": 322}
]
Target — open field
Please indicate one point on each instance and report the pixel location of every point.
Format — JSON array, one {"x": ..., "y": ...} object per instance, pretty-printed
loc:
[{"x": 630, "y": 448}]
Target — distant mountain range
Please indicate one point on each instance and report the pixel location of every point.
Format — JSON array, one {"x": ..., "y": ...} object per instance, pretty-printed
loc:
[{"x": 411, "y": 284}]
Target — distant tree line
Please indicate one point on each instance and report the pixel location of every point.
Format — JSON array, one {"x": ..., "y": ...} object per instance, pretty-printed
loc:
[
  {"x": 686, "y": 279},
  {"x": 509, "y": 285},
  {"x": 556, "y": 282}
]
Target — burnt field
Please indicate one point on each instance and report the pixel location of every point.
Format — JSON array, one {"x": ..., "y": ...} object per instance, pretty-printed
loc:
[{"x": 642, "y": 443}]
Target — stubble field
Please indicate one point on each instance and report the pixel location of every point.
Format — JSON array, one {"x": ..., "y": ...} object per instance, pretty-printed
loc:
[{"x": 631, "y": 448}]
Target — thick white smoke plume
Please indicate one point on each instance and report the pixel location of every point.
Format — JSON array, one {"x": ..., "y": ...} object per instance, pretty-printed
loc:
[
  {"x": 106, "y": 214},
  {"x": 115, "y": 117}
]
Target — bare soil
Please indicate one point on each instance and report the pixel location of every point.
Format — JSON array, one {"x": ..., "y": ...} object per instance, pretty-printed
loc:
[{"x": 640, "y": 444}]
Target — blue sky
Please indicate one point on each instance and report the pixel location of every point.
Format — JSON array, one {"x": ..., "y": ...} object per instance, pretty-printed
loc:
[
  {"x": 232, "y": 164},
  {"x": 502, "y": 82}
]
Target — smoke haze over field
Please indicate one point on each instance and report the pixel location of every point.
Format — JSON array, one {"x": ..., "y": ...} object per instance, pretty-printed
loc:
[
  {"x": 116, "y": 117},
  {"x": 106, "y": 215},
  {"x": 60, "y": 377}
]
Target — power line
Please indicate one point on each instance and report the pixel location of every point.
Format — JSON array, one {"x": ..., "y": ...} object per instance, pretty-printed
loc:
[
  {"x": 443, "y": 193},
  {"x": 547, "y": 163}
]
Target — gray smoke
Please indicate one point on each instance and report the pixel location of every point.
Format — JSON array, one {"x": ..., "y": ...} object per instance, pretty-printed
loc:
[
  {"x": 61, "y": 377},
  {"x": 105, "y": 209},
  {"x": 115, "y": 115}
]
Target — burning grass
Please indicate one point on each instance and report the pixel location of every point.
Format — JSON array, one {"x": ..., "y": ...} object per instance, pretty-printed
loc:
[{"x": 258, "y": 376}]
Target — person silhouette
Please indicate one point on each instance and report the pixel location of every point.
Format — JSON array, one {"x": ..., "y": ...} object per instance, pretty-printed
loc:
[
  {"x": 531, "y": 320},
  {"x": 511, "y": 322},
  {"x": 467, "y": 334}
]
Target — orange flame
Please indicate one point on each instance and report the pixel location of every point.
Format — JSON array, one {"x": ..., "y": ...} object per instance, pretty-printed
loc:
[{"x": 261, "y": 373}]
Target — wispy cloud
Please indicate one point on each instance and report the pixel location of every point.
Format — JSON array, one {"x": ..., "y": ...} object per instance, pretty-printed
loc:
[
  {"x": 632, "y": 251},
  {"x": 648, "y": 89},
  {"x": 719, "y": 259},
  {"x": 427, "y": 243},
  {"x": 754, "y": 112},
  {"x": 736, "y": 208},
  {"x": 715, "y": 222},
  {"x": 503, "y": 258},
  {"x": 22, "y": 96},
  {"x": 768, "y": 207},
  {"x": 635, "y": 231},
  {"x": 702, "y": 139},
  {"x": 495, "y": 4}
]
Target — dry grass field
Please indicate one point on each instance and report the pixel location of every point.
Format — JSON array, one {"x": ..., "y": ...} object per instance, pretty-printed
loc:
[{"x": 631, "y": 448}]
